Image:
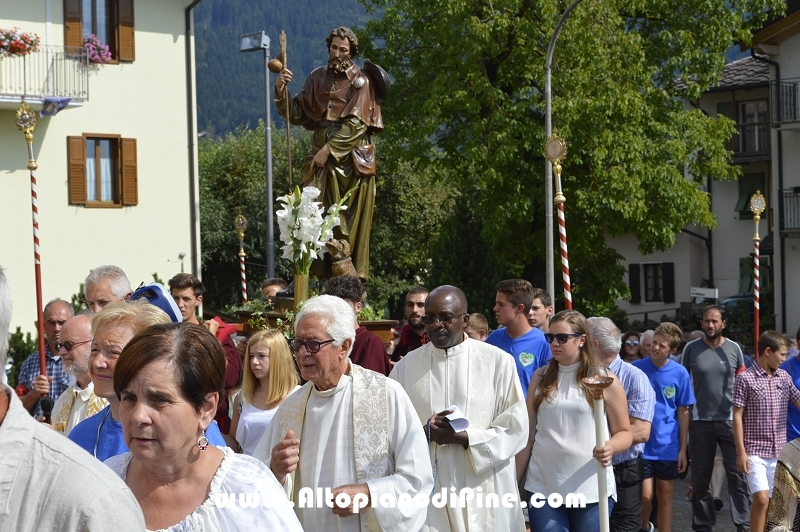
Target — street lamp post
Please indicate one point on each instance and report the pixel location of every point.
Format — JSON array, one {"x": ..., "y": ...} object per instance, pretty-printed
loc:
[
  {"x": 757, "y": 205},
  {"x": 251, "y": 43},
  {"x": 548, "y": 166},
  {"x": 240, "y": 224}
]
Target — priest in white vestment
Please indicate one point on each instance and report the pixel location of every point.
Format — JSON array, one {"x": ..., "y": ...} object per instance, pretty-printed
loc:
[
  {"x": 348, "y": 429},
  {"x": 481, "y": 380},
  {"x": 78, "y": 401}
]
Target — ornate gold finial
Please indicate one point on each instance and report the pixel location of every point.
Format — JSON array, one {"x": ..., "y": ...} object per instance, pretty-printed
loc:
[
  {"x": 240, "y": 224},
  {"x": 758, "y": 203},
  {"x": 26, "y": 122}
]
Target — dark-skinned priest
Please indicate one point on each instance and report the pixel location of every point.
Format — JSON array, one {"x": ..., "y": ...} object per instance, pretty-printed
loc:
[{"x": 454, "y": 375}]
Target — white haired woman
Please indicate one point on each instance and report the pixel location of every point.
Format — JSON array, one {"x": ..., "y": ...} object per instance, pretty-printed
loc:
[{"x": 169, "y": 379}]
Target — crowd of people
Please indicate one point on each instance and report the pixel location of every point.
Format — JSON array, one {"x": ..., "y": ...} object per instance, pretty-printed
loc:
[{"x": 450, "y": 427}]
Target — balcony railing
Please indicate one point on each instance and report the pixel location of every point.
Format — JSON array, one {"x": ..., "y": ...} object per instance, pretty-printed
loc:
[
  {"x": 750, "y": 140},
  {"x": 790, "y": 207},
  {"x": 52, "y": 72},
  {"x": 785, "y": 99}
]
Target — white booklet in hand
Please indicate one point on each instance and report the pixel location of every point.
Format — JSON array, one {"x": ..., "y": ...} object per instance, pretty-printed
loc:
[{"x": 457, "y": 419}]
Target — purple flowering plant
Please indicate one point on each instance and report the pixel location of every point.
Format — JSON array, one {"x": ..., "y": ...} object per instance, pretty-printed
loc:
[{"x": 99, "y": 53}]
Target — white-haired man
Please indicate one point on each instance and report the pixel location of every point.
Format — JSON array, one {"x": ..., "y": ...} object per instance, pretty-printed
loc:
[
  {"x": 629, "y": 465},
  {"x": 45, "y": 478},
  {"x": 78, "y": 401},
  {"x": 104, "y": 285},
  {"x": 348, "y": 429}
]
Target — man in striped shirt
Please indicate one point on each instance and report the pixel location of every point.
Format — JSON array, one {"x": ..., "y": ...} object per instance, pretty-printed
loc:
[{"x": 628, "y": 465}]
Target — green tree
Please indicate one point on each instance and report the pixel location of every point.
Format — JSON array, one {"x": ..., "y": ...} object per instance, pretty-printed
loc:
[
  {"x": 468, "y": 101},
  {"x": 233, "y": 180}
]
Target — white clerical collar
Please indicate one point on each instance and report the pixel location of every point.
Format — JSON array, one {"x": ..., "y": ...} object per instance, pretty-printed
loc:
[
  {"x": 84, "y": 393},
  {"x": 455, "y": 350},
  {"x": 344, "y": 380}
]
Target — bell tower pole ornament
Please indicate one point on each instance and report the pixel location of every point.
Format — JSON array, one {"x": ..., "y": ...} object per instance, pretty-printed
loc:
[{"x": 26, "y": 122}]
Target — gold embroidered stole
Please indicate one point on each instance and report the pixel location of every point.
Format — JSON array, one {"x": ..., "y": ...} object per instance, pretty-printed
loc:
[
  {"x": 370, "y": 430},
  {"x": 95, "y": 405}
]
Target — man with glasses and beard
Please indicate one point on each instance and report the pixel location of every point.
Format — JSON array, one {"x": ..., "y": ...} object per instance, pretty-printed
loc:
[
  {"x": 78, "y": 401},
  {"x": 713, "y": 363},
  {"x": 340, "y": 103},
  {"x": 451, "y": 372}
]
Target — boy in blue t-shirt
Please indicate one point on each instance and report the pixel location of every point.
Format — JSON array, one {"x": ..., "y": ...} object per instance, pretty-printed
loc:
[
  {"x": 665, "y": 451},
  {"x": 792, "y": 367}
]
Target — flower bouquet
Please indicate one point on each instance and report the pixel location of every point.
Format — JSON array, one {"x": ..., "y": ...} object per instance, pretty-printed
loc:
[
  {"x": 99, "y": 54},
  {"x": 17, "y": 43},
  {"x": 304, "y": 230}
]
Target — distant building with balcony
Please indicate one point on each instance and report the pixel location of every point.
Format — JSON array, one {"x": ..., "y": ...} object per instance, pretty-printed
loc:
[
  {"x": 117, "y": 176},
  {"x": 661, "y": 283}
]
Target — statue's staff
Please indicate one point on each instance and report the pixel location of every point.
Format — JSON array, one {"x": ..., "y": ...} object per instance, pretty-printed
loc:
[
  {"x": 278, "y": 65},
  {"x": 282, "y": 41}
]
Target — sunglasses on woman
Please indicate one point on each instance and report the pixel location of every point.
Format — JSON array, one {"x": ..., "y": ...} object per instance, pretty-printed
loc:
[
  {"x": 631, "y": 343},
  {"x": 562, "y": 338}
]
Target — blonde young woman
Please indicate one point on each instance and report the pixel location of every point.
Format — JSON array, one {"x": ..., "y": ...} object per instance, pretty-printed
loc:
[
  {"x": 268, "y": 377},
  {"x": 560, "y": 457}
]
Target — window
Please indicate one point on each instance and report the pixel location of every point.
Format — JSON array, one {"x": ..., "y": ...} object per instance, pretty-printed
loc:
[
  {"x": 749, "y": 184},
  {"x": 110, "y": 20},
  {"x": 102, "y": 171},
  {"x": 754, "y": 127},
  {"x": 653, "y": 280}
]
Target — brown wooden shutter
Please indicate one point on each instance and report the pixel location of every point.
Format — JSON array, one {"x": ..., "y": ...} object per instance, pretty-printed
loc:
[
  {"x": 126, "y": 49},
  {"x": 73, "y": 28},
  {"x": 668, "y": 275},
  {"x": 633, "y": 283},
  {"x": 129, "y": 172},
  {"x": 76, "y": 170}
]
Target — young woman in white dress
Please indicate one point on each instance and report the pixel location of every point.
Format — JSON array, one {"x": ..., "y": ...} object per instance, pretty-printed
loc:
[{"x": 269, "y": 376}]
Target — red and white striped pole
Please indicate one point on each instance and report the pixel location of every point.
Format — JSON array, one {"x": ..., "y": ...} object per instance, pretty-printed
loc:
[
  {"x": 555, "y": 151},
  {"x": 756, "y": 295},
  {"x": 757, "y": 205},
  {"x": 562, "y": 237},
  {"x": 26, "y": 122},
  {"x": 240, "y": 224}
]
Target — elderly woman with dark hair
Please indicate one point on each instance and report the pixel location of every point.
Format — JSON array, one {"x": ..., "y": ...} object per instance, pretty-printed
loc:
[{"x": 169, "y": 379}]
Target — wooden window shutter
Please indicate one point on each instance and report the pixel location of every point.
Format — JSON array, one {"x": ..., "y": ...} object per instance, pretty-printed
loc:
[
  {"x": 634, "y": 283},
  {"x": 668, "y": 275},
  {"x": 126, "y": 48},
  {"x": 76, "y": 170},
  {"x": 73, "y": 27},
  {"x": 129, "y": 172}
]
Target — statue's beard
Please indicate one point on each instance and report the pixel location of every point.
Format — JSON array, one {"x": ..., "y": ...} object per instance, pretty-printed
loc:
[{"x": 338, "y": 66}]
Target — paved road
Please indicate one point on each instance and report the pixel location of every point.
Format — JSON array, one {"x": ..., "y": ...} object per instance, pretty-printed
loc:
[{"x": 682, "y": 510}]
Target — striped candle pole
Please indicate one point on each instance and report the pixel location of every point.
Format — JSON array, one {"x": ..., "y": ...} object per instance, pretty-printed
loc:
[
  {"x": 756, "y": 295},
  {"x": 240, "y": 224},
  {"x": 758, "y": 203},
  {"x": 244, "y": 276},
  {"x": 26, "y": 122},
  {"x": 562, "y": 236}
]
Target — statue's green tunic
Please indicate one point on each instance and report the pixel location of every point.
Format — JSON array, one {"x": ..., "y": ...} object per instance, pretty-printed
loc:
[{"x": 342, "y": 111}]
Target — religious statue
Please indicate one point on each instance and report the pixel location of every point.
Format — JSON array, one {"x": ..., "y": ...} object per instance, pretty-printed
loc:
[{"x": 340, "y": 103}]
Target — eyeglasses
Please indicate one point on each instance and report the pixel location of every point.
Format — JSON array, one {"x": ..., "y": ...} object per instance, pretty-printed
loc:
[
  {"x": 69, "y": 346},
  {"x": 312, "y": 346},
  {"x": 631, "y": 343},
  {"x": 562, "y": 338},
  {"x": 444, "y": 320}
]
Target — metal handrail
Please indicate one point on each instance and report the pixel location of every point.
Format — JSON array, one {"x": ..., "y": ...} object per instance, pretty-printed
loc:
[{"x": 52, "y": 72}]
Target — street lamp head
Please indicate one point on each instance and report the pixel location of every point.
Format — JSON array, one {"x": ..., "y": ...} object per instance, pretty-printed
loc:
[
  {"x": 181, "y": 256},
  {"x": 253, "y": 42}
]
